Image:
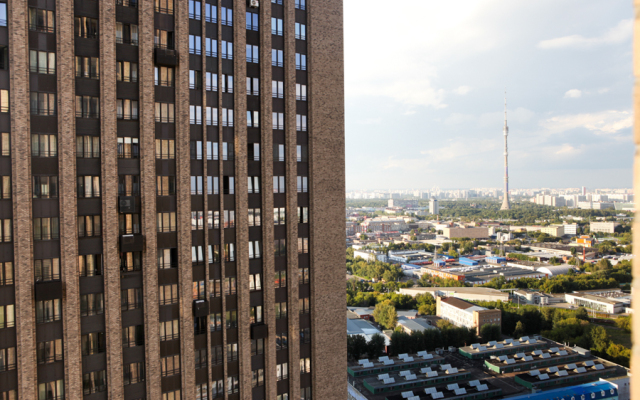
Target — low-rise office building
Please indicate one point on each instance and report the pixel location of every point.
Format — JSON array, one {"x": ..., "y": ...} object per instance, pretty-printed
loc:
[
  {"x": 370, "y": 255},
  {"x": 464, "y": 293},
  {"x": 473, "y": 233},
  {"x": 525, "y": 361},
  {"x": 463, "y": 313},
  {"x": 593, "y": 301},
  {"x": 587, "y": 371},
  {"x": 603, "y": 227},
  {"x": 409, "y": 325}
]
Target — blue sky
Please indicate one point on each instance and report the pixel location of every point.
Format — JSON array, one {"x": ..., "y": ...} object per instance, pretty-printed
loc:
[{"x": 425, "y": 83}]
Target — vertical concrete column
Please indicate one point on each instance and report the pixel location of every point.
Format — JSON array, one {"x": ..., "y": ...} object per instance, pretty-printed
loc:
[
  {"x": 266, "y": 161},
  {"x": 242, "y": 196},
  {"x": 68, "y": 198},
  {"x": 327, "y": 196},
  {"x": 293, "y": 288},
  {"x": 148, "y": 198},
  {"x": 183, "y": 195},
  {"x": 21, "y": 191}
]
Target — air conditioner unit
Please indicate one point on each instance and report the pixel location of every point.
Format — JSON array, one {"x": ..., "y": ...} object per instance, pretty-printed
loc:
[
  {"x": 254, "y": 3},
  {"x": 127, "y": 204}
]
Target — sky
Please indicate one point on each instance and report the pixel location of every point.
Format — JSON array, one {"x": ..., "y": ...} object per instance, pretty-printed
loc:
[{"x": 425, "y": 83}]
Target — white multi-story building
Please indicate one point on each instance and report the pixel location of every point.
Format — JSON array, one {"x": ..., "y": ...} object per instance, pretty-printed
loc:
[
  {"x": 462, "y": 313},
  {"x": 603, "y": 227},
  {"x": 570, "y": 229},
  {"x": 434, "y": 208}
]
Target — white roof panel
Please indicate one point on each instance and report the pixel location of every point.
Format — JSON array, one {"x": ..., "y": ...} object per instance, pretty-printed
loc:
[
  {"x": 404, "y": 373},
  {"x": 432, "y": 374},
  {"x": 571, "y": 366},
  {"x": 599, "y": 366},
  {"x": 460, "y": 391},
  {"x": 383, "y": 376},
  {"x": 411, "y": 377},
  {"x": 528, "y": 358},
  {"x": 452, "y": 386},
  {"x": 452, "y": 371},
  {"x": 563, "y": 373},
  {"x": 430, "y": 390},
  {"x": 406, "y": 395},
  {"x": 543, "y": 377},
  {"x": 474, "y": 383},
  {"x": 382, "y": 359},
  {"x": 510, "y": 361},
  {"x": 389, "y": 380},
  {"x": 580, "y": 370},
  {"x": 482, "y": 387},
  {"x": 388, "y": 362},
  {"x": 534, "y": 372},
  {"x": 437, "y": 395},
  {"x": 589, "y": 363},
  {"x": 424, "y": 370},
  {"x": 363, "y": 361},
  {"x": 553, "y": 369},
  {"x": 428, "y": 356}
]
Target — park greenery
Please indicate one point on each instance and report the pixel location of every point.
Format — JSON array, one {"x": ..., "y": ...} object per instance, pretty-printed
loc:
[
  {"x": 430, "y": 339},
  {"x": 357, "y": 346}
]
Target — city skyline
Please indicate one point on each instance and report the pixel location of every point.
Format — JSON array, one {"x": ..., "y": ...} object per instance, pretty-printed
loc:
[{"x": 430, "y": 117}]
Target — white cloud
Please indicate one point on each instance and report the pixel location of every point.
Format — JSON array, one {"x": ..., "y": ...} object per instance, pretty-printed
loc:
[
  {"x": 568, "y": 150},
  {"x": 602, "y": 123},
  {"x": 618, "y": 34},
  {"x": 462, "y": 90},
  {"x": 573, "y": 94}
]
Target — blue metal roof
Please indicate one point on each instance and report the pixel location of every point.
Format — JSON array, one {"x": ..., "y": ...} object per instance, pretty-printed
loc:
[{"x": 578, "y": 392}]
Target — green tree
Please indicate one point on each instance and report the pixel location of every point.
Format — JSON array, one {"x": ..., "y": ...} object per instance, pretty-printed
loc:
[
  {"x": 624, "y": 323},
  {"x": 582, "y": 314},
  {"x": 599, "y": 338},
  {"x": 375, "y": 347},
  {"x": 490, "y": 332},
  {"x": 385, "y": 314},
  {"x": 356, "y": 346},
  {"x": 604, "y": 265},
  {"x": 520, "y": 330},
  {"x": 453, "y": 253},
  {"x": 427, "y": 309}
]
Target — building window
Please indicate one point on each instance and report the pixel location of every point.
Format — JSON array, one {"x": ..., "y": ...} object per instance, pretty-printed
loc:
[
  {"x": 165, "y": 149},
  {"x": 195, "y": 115},
  {"x": 281, "y": 341},
  {"x": 252, "y": 21},
  {"x": 42, "y": 62},
  {"x": 197, "y": 220},
  {"x": 133, "y": 336},
  {"x": 211, "y": 47},
  {"x": 233, "y": 384},
  {"x": 87, "y": 107},
  {"x": 127, "y": 109},
  {"x": 215, "y": 324},
  {"x": 168, "y": 294},
  {"x": 43, "y": 229},
  {"x": 46, "y": 311},
  {"x": 164, "y": 76},
  {"x": 195, "y": 79},
  {"x": 163, "y": 39},
  {"x": 277, "y": 58},
  {"x": 253, "y": 153},
  {"x": 175, "y": 395},
  {"x": 253, "y": 119},
  {"x": 166, "y": 221},
  {"x": 195, "y": 8},
  {"x": 129, "y": 224},
  {"x": 211, "y": 116},
  {"x": 304, "y": 275},
  {"x": 301, "y": 31},
  {"x": 41, "y": 103},
  {"x": 253, "y": 184},
  {"x": 7, "y": 316},
  {"x": 301, "y": 123},
  {"x": 301, "y": 92},
  {"x": 195, "y": 44},
  {"x": 126, "y": 71},
  {"x": 302, "y": 153},
  {"x": 255, "y": 315},
  {"x": 167, "y": 258},
  {"x": 303, "y": 305},
  {"x": 48, "y": 352},
  {"x": 86, "y": 27},
  {"x": 165, "y": 112},
  {"x": 280, "y": 248},
  {"x": 201, "y": 360},
  {"x": 305, "y": 365},
  {"x": 91, "y": 304},
  {"x": 90, "y": 264},
  {"x": 166, "y": 185},
  {"x": 228, "y": 185},
  {"x": 87, "y": 67},
  {"x": 131, "y": 299},
  {"x": 280, "y": 279},
  {"x": 41, "y": 20},
  {"x": 278, "y": 120},
  {"x": 305, "y": 393},
  {"x": 169, "y": 330},
  {"x": 88, "y": 186},
  {"x": 214, "y": 253},
  {"x": 5, "y": 144},
  {"x": 53, "y": 390},
  {"x": 196, "y": 185},
  {"x": 305, "y": 335},
  {"x": 213, "y": 185},
  {"x": 6, "y": 273},
  {"x": 3, "y": 22},
  {"x": 7, "y": 359},
  {"x": 300, "y": 4},
  {"x": 303, "y": 215},
  {"x": 257, "y": 377},
  {"x": 303, "y": 184},
  {"x": 94, "y": 382},
  {"x": 93, "y": 343},
  {"x": 213, "y": 219},
  {"x": 232, "y": 319},
  {"x": 211, "y": 14},
  {"x": 278, "y": 152},
  {"x": 232, "y": 352},
  {"x": 197, "y": 256},
  {"x": 128, "y": 147},
  {"x": 254, "y": 217},
  {"x": 229, "y": 252},
  {"x": 227, "y": 16},
  {"x": 126, "y": 33},
  {"x": 227, "y": 87},
  {"x": 282, "y": 371},
  {"x": 131, "y": 261},
  {"x": 278, "y": 184},
  {"x": 227, "y": 50},
  {"x": 164, "y": 6},
  {"x": 276, "y": 26},
  {"x": 255, "y": 282},
  {"x": 254, "y": 249},
  {"x": 277, "y": 90},
  {"x": 199, "y": 290},
  {"x": 133, "y": 373},
  {"x": 301, "y": 61},
  {"x": 211, "y": 82},
  {"x": 89, "y": 226},
  {"x": 257, "y": 346},
  {"x": 230, "y": 285},
  {"x": 127, "y": 3},
  {"x": 170, "y": 365},
  {"x": 215, "y": 288},
  {"x": 86, "y": 146},
  {"x": 253, "y": 54},
  {"x": 281, "y": 310},
  {"x": 196, "y": 149}
]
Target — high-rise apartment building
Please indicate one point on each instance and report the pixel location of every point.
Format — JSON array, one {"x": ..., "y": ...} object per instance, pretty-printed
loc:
[{"x": 171, "y": 200}]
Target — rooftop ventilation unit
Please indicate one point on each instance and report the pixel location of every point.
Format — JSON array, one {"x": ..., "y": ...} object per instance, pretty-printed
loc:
[
  {"x": 571, "y": 366},
  {"x": 482, "y": 388},
  {"x": 528, "y": 358},
  {"x": 474, "y": 383},
  {"x": 389, "y": 381},
  {"x": 452, "y": 371},
  {"x": 383, "y": 376},
  {"x": 553, "y": 369},
  {"x": 543, "y": 377},
  {"x": 599, "y": 367},
  {"x": 430, "y": 390},
  {"x": 432, "y": 374},
  {"x": 589, "y": 363},
  {"x": 363, "y": 361},
  {"x": 563, "y": 373},
  {"x": 437, "y": 395},
  {"x": 452, "y": 386},
  {"x": 388, "y": 362},
  {"x": 406, "y": 395},
  {"x": 534, "y": 372},
  {"x": 581, "y": 370}
]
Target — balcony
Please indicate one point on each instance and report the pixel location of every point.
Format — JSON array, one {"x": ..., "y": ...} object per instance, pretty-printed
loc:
[
  {"x": 166, "y": 57},
  {"x": 131, "y": 243}
]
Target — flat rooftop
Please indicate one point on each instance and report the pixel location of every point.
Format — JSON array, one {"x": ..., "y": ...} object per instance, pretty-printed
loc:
[
  {"x": 591, "y": 367},
  {"x": 596, "y": 298},
  {"x": 555, "y": 354},
  {"x": 450, "y": 391},
  {"x": 396, "y": 362},
  {"x": 522, "y": 343}
]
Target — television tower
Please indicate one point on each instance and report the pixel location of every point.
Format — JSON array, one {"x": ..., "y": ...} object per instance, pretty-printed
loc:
[{"x": 505, "y": 201}]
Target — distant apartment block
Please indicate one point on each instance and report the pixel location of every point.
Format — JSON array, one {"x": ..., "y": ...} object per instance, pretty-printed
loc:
[
  {"x": 473, "y": 233},
  {"x": 603, "y": 227},
  {"x": 463, "y": 313}
]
